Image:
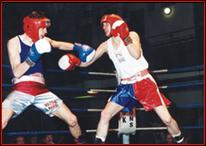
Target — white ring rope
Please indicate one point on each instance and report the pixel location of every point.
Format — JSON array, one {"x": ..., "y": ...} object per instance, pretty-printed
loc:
[
  {"x": 94, "y": 110},
  {"x": 114, "y": 74},
  {"x": 91, "y": 130},
  {"x": 87, "y": 131},
  {"x": 101, "y": 90},
  {"x": 99, "y": 110},
  {"x": 102, "y": 73},
  {"x": 184, "y": 69},
  {"x": 137, "y": 129},
  {"x": 113, "y": 91},
  {"x": 183, "y": 84},
  {"x": 160, "y": 71}
]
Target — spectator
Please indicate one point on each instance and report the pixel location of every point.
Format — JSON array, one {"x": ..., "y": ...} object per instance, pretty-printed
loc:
[
  {"x": 33, "y": 140},
  {"x": 48, "y": 139},
  {"x": 169, "y": 139},
  {"x": 19, "y": 140}
]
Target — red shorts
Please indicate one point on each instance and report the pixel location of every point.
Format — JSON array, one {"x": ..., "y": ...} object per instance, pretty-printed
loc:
[{"x": 147, "y": 93}]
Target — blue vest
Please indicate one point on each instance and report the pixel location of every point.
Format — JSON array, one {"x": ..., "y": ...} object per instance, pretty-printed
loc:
[{"x": 38, "y": 67}]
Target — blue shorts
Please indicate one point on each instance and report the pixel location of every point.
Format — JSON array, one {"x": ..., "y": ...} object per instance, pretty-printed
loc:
[{"x": 125, "y": 97}]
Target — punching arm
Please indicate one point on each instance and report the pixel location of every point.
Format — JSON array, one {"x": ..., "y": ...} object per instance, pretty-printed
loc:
[
  {"x": 99, "y": 52},
  {"x": 65, "y": 46},
  {"x": 86, "y": 53}
]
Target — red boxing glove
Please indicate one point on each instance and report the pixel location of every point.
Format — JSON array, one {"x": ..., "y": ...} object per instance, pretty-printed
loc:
[
  {"x": 68, "y": 62},
  {"x": 123, "y": 31}
]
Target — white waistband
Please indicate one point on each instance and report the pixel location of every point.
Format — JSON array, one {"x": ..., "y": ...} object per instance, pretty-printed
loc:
[
  {"x": 135, "y": 79},
  {"x": 39, "y": 79}
]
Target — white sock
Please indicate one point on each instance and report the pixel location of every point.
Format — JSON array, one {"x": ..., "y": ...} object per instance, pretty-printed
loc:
[
  {"x": 178, "y": 137},
  {"x": 175, "y": 135},
  {"x": 102, "y": 138}
]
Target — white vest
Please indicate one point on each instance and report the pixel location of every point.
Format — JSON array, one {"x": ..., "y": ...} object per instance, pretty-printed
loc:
[{"x": 125, "y": 64}]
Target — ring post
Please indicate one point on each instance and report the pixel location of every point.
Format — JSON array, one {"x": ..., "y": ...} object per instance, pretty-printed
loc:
[
  {"x": 127, "y": 124},
  {"x": 125, "y": 138}
]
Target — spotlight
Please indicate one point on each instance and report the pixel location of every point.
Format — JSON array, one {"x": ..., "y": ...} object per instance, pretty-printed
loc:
[{"x": 168, "y": 11}]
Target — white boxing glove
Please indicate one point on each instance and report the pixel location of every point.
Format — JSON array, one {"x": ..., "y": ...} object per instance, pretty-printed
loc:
[
  {"x": 43, "y": 46},
  {"x": 37, "y": 49}
]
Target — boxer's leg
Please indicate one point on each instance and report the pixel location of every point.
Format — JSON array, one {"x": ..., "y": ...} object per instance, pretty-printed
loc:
[{"x": 109, "y": 111}]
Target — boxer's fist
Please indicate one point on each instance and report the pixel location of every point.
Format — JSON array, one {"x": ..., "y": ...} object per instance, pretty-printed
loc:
[
  {"x": 85, "y": 52},
  {"x": 68, "y": 62},
  {"x": 38, "y": 48},
  {"x": 123, "y": 32}
]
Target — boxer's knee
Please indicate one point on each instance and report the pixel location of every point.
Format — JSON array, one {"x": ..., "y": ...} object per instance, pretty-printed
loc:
[
  {"x": 72, "y": 121},
  {"x": 6, "y": 115},
  {"x": 4, "y": 123}
]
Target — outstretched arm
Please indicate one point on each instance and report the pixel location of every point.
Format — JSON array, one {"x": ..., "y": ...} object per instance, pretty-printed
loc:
[
  {"x": 85, "y": 52},
  {"x": 99, "y": 52},
  {"x": 67, "y": 46},
  {"x": 69, "y": 61}
]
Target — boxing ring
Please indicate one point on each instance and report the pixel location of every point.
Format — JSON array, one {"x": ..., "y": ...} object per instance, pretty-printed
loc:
[{"x": 198, "y": 83}]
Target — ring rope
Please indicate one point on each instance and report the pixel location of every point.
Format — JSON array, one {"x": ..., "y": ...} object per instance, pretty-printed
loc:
[
  {"x": 137, "y": 109},
  {"x": 96, "y": 109},
  {"x": 184, "y": 69},
  {"x": 175, "y": 70},
  {"x": 99, "y": 73},
  {"x": 89, "y": 130},
  {"x": 173, "y": 85}
]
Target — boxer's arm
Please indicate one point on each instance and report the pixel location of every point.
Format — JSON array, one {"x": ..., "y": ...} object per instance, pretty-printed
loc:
[
  {"x": 85, "y": 52},
  {"x": 135, "y": 46},
  {"x": 18, "y": 68},
  {"x": 102, "y": 48},
  {"x": 67, "y": 46}
]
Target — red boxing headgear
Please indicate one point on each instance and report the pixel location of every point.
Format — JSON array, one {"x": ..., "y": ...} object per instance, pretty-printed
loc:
[
  {"x": 114, "y": 21},
  {"x": 32, "y": 26}
]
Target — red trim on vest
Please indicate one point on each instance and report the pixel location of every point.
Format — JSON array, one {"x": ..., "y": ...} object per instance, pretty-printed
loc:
[{"x": 138, "y": 74}]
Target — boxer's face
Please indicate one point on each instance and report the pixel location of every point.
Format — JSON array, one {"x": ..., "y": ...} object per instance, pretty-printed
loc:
[
  {"x": 42, "y": 32},
  {"x": 107, "y": 28}
]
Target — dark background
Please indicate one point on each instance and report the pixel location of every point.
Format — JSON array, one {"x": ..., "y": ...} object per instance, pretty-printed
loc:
[{"x": 174, "y": 42}]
